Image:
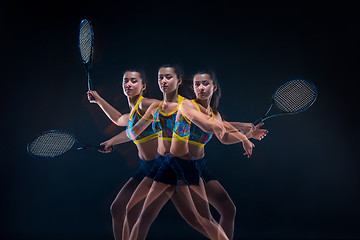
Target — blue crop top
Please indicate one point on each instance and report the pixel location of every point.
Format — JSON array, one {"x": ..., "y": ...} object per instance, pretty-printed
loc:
[
  {"x": 197, "y": 136},
  {"x": 167, "y": 125},
  {"x": 134, "y": 117}
]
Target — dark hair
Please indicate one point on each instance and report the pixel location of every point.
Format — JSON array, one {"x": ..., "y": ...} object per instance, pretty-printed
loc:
[
  {"x": 143, "y": 78},
  {"x": 140, "y": 71},
  {"x": 185, "y": 88},
  {"x": 178, "y": 69},
  {"x": 217, "y": 94}
]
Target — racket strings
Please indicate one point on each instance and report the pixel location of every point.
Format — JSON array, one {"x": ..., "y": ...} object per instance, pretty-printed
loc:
[
  {"x": 51, "y": 144},
  {"x": 295, "y": 96},
  {"x": 85, "y": 41}
]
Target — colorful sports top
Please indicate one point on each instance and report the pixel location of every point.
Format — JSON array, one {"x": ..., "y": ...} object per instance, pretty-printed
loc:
[
  {"x": 134, "y": 117},
  {"x": 197, "y": 136},
  {"x": 168, "y": 124}
]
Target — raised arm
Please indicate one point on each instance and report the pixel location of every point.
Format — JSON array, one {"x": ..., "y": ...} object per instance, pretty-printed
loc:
[{"x": 114, "y": 115}]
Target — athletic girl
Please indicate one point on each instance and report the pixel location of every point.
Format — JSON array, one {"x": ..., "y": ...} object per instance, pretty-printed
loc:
[
  {"x": 134, "y": 85},
  {"x": 208, "y": 92},
  {"x": 174, "y": 161}
]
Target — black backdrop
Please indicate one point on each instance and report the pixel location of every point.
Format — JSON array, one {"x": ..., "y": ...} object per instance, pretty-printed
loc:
[{"x": 303, "y": 179}]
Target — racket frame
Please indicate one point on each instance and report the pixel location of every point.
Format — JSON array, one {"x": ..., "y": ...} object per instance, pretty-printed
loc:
[
  {"x": 265, "y": 115},
  {"x": 87, "y": 64},
  {"x": 76, "y": 146}
]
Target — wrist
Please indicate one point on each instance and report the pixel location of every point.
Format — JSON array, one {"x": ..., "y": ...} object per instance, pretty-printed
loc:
[
  {"x": 248, "y": 135},
  {"x": 99, "y": 100}
]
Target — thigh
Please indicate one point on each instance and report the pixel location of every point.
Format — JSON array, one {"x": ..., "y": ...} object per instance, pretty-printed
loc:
[
  {"x": 199, "y": 191},
  {"x": 200, "y": 199},
  {"x": 140, "y": 192},
  {"x": 126, "y": 192},
  {"x": 183, "y": 204},
  {"x": 189, "y": 205},
  {"x": 158, "y": 190},
  {"x": 217, "y": 195}
]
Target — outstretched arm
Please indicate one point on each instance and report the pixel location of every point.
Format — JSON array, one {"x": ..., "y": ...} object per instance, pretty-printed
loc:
[
  {"x": 224, "y": 131},
  {"x": 234, "y": 136},
  {"x": 117, "y": 139},
  {"x": 257, "y": 133},
  {"x": 114, "y": 115},
  {"x": 243, "y": 127},
  {"x": 200, "y": 119},
  {"x": 250, "y": 130}
]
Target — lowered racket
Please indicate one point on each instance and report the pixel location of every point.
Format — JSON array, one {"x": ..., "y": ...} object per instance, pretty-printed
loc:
[
  {"x": 86, "y": 48},
  {"x": 55, "y": 143},
  {"x": 291, "y": 97}
]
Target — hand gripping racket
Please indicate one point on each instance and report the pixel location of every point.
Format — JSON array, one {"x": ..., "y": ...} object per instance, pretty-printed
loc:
[
  {"x": 55, "y": 143},
  {"x": 291, "y": 97},
  {"x": 86, "y": 48}
]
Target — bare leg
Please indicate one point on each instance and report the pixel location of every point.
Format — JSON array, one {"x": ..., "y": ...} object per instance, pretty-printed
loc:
[
  {"x": 181, "y": 202},
  {"x": 200, "y": 203},
  {"x": 220, "y": 199},
  {"x": 158, "y": 195},
  {"x": 118, "y": 206},
  {"x": 134, "y": 206}
]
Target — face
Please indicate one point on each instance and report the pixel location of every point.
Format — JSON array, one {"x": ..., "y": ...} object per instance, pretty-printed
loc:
[
  {"x": 132, "y": 84},
  {"x": 168, "y": 80},
  {"x": 203, "y": 86}
]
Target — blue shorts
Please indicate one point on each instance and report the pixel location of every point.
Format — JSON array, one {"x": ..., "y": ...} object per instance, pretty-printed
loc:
[
  {"x": 158, "y": 161},
  {"x": 205, "y": 172},
  {"x": 143, "y": 170},
  {"x": 169, "y": 169}
]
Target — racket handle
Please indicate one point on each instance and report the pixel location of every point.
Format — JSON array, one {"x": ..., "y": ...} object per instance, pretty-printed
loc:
[
  {"x": 92, "y": 99},
  {"x": 102, "y": 147},
  {"x": 258, "y": 121}
]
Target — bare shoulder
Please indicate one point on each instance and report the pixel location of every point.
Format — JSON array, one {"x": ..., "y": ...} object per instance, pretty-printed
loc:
[
  {"x": 217, "y": 116},
  {"x": 147, "y": 103},
  {"x": 188, "y": 103},
  {"x": 153, "y": 106}
]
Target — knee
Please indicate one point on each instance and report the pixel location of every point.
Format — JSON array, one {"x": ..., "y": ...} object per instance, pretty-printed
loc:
[
  {"x": 232, "y": 208},
  {"x": 118, "y": 207},
  {"x": 129, "y": 206},
  {"x": 193, "y": 221},
  {"x": 228, "y": 210}
]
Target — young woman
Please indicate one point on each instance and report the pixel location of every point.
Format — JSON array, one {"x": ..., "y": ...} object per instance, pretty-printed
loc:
[
  {"x": 208, "y": 92},
  {"x": 174, "y": 164},
  {"x": 134, "y": 85}
]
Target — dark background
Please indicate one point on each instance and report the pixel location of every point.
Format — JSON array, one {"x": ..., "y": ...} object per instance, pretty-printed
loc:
[{"x": 302, "y": 181}]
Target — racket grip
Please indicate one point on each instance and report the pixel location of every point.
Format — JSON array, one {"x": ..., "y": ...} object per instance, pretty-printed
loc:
[
  {"x": 102, "y": 147},
  {"x": 258, "y": 121},
  {"x": 92, "y": 99},
  {"x": 89, "y": 80}
]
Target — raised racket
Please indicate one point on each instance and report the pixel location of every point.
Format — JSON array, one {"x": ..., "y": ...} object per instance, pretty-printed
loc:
[
  {"x": 55, "y": 143},
  {"x": 86, "y": 49},
  {"x": 291, "y": 97}
]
